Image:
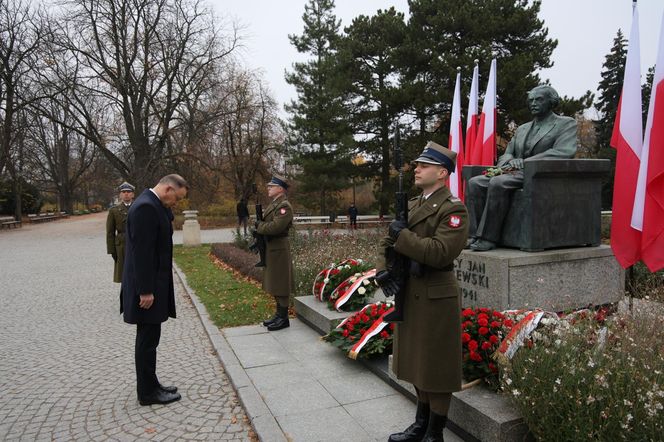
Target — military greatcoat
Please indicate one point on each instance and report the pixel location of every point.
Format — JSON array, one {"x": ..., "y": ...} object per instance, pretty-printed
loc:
[
  {"x": 116, "y": 223},
  {"x": 277, "y": 221},
  {"x": 427, "y": 344}
]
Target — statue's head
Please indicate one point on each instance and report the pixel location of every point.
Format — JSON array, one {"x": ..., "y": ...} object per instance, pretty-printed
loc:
[{"x": 542, "y": 100}]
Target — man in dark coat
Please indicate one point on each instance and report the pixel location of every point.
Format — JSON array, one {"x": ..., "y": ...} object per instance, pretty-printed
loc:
[
  {"x": 148, "y": 297},
  {"x": 547, "y": 136},
  {"x": 278, "y": 275},
  {"x": 352, "y": 216},
  {"x": 427, "y": 344},
  {"x": 116, "y": 223},
  {"x": 242, "y": 214}
]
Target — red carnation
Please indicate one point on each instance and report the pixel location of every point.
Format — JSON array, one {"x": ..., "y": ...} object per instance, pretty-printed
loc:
[
  {"x": 472, "y": 345},
  {"x": 495, "y": 324},
  {"x": 475, "y": 356},
  {"x": 483, "y": 309},
  {"x": 345, "y": 333},
  {"x": 483, "y": 322},
  {"x": 483, "y": 331},
  {"x": 486, "y": 345},
  {"x": 508, "y": 323},
  {"x": 467, "y": 324},
  {"x": 468, "y": 312},
  {"x": 494, "y": 339},
  {"x": 391, "y": 326},
  {"x": 384, "y": 335},
  {"x": 465, "y": 337},
  {"x": 483, "y": 316},
  {"x": 497, "y": 315},
  {"x": 363, "y": 331},
  {"x": 335, "y": 271}
]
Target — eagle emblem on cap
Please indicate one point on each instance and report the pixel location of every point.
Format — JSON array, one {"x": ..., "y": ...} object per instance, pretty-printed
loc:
[{"x": 455, "y": 221}]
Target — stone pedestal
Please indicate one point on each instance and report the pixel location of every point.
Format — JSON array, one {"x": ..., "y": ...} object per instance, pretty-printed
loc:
[
  {"x": 555, "y": 280},
  {"x": 318, "y": 316},
  {"x": 191, "y": 230}
]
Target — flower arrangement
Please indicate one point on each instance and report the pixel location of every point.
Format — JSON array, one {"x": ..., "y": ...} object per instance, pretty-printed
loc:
[
  {"x": 482, "y": 330},
  {"x": 329, "y": 278},
  {"x": 364, "y": 333},
  {"x": 354, "y": 292}
]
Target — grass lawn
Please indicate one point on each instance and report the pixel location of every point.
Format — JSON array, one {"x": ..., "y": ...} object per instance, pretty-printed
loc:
[{"x": 229, "y": 300}]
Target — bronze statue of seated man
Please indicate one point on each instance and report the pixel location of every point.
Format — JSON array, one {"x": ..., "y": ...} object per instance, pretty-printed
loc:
[{"x": 488, "y": 196}]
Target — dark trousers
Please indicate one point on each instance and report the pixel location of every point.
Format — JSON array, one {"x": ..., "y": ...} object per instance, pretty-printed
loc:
[
  {"x": 488, "y": 200},
  {"x": 147, "y": 341}
]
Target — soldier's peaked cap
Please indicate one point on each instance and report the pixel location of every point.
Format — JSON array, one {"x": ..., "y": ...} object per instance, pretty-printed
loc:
[
  {"x": 434, "y": 153},
  {"x": 126, "y": 186},
  {"x": 278, "y": 180}
]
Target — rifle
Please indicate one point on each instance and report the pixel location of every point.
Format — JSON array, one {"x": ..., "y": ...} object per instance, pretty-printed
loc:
[
  {"x": 398, "y": 264},
  {"x": 259, "y": 244}
]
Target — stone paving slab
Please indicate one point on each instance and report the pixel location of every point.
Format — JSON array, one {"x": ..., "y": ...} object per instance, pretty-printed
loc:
[{"x": 66, "y": 356}]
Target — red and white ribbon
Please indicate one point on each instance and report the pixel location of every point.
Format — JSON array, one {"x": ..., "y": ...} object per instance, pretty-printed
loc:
[
  {"x": 325, "y": 274},
  {"x": 359, "y": 282},
  {"x": 375, "y": 328}
]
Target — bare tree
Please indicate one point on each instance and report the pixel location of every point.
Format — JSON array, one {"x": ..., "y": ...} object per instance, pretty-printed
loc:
[
  {"x": 21, "y": 33},
  {"x": 142, "y": 58}
]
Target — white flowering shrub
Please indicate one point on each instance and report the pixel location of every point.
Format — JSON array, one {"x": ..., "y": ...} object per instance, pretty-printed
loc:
[{"x": 592, "y": 378}]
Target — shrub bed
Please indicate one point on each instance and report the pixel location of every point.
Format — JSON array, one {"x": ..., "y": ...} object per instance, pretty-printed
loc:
[
  {"x": 241, "y": 260},
  {"x": 593, "y": 379}
]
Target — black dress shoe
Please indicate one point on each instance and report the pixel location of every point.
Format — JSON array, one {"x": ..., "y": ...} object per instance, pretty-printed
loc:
[
  {"x": 278, "y": 324},
  {"x": 168, "y": 388},
  {"x": 159, "y": 397},
  {"x": 482, "y": 245},
  {"x": 271, "y": 320}
]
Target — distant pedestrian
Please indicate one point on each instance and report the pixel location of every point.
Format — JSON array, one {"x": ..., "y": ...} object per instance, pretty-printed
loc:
[
  {"x": 242, "y": 214},
  {"x": 148, "y": 296},
  {"x": 352, "y": 216},
  {"x": 278, "y": 276},
  {"x": 115, "y": 229}
]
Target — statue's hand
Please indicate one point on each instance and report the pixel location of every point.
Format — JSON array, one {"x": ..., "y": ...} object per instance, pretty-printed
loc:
[{"x": 516, "y": 163}]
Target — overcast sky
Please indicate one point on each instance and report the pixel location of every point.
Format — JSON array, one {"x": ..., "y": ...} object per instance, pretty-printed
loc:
[{"x": 585, "y": 30}]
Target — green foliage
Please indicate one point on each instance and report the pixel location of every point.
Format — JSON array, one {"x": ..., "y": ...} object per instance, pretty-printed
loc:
[
  {"x": 583, "y": 382},
  {"x": 444, "y": 34},
  {"x": 31, "y": 201},
  {"x": 229, "y": 301},
  {"x": 318, "y": 131}
]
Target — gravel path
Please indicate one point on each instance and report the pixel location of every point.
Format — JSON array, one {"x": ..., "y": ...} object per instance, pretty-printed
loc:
[{"x": 66, "y": 356}]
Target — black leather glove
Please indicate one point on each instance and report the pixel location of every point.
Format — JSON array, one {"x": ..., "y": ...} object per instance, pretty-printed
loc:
[
  {"x": 389, "y": 285},
  {"x": 396, "y": 227},
  {"x": 253, "y": 232}
]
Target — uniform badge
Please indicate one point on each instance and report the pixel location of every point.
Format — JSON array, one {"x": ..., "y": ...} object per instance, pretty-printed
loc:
[
  {"x": 282, "y": 211},
  {"x": 455, "y": 221}
]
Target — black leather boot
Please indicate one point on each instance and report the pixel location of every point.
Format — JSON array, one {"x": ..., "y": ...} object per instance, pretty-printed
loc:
[
  {"x": 281, "y": 321},
  {"x": 435, "y": 429},
  {"x": 273, "y": 318},
  {"x": 416, "y": 431}
]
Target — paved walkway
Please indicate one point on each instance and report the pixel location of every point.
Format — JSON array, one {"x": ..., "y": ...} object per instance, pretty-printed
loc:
[{"x": 66, "y": 357}]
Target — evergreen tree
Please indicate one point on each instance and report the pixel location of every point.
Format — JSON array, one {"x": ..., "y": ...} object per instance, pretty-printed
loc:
[
  {"x": 610, "y": 88},
  {"x": 368, "y": 56},
  {"x": 318, "y": 130},
  {"x": 646, "y": 89},
  {"x": 444, "y": 34}
]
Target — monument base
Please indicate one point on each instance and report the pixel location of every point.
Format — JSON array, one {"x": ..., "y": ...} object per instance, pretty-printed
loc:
[{"x": 556, "y": 280}]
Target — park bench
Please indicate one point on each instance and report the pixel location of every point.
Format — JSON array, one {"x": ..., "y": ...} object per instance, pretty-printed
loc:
[
  {"x": 8, "y": 222},
  {"x": 43, "y": 217},
  {"x": 300, "y": 220}
]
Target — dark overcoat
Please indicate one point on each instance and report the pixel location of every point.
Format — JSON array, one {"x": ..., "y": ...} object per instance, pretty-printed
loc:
[
  {"x": 116, "y": 223},
  {"x": 427, "y": 344},
  {"x": 277, "y": 221},
  {"x": 148, "y": 266}
]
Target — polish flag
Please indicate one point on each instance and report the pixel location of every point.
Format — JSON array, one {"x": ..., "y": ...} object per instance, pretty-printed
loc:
[
  {"x": 648, "y": 213},
  {"x": 484, "y": 150},
  {"x": 471, "y": 123},
  {"x": 627, "y": 139},
  {"x": 455, "y": 142}
]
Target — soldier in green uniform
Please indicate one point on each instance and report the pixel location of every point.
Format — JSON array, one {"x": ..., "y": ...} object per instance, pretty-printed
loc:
[
  {"x": 427, "y": 344},
  {"x": 278, "y": 275},
  {"x": 115, "y": 228}
]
